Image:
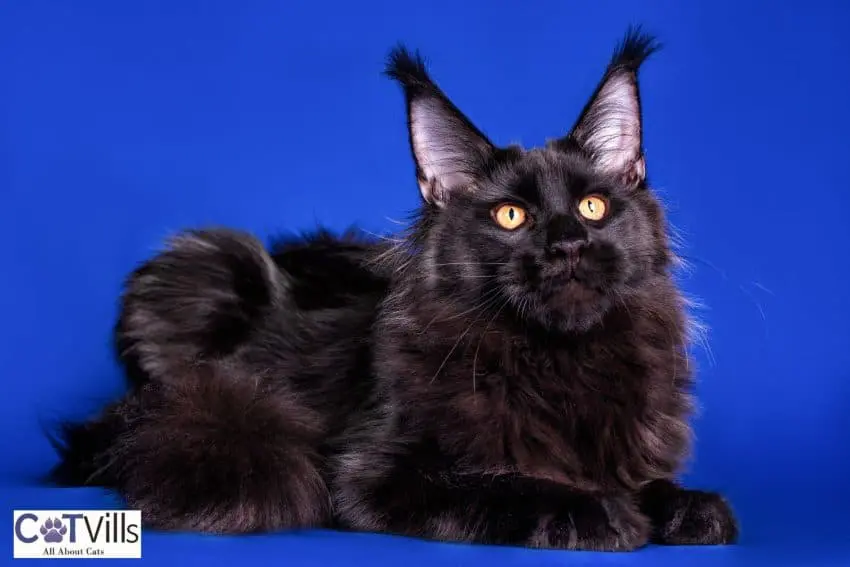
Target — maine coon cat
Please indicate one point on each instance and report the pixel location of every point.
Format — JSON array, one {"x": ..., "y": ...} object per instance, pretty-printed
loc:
[{"x": 512, "y": 370}]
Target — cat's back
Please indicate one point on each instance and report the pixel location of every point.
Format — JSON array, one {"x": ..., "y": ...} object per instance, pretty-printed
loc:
[
  {"x": 330, "y": 271},
  {"x": 319, "y": 342}
]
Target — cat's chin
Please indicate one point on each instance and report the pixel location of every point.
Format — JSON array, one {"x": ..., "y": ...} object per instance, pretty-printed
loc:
[{"x": 577, "y": 307}]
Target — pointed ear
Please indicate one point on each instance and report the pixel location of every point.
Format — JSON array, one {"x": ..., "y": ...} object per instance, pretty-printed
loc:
[
  {"x": 609, "y": 129},
  {"x": 449, "y": 151}
]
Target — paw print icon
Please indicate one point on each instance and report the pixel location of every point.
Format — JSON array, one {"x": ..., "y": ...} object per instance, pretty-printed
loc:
[{"x": 53, "y": 530}]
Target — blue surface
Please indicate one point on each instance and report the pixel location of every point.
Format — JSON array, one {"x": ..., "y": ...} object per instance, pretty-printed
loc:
[{"x": 123, "y": 121}]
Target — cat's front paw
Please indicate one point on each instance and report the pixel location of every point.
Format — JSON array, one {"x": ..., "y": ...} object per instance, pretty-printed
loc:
[
  {"x": 593, "y": 524},
  {"x": 695, "y": 517}
]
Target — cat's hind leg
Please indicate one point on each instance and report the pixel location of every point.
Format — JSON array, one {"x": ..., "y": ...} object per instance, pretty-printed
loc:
[{"x": 199, "y": 299}]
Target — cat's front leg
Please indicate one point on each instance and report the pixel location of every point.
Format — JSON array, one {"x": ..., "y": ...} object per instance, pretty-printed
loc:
[
  {"x": 392, "y": 494},
  {"x": 687, "y": 517}
]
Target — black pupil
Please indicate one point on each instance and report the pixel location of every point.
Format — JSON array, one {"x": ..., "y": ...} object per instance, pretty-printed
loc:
[
  {"x": 511, "y": 213},
  {"x": 590, "y": 206}
]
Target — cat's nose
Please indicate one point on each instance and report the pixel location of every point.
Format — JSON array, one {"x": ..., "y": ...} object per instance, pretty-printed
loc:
[{"x": 568, "y": 251}]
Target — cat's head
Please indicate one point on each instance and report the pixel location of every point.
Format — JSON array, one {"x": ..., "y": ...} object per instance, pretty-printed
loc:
[{"x": 560, "y": 233}]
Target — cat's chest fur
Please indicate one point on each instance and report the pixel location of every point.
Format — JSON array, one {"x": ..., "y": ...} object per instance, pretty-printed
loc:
[{"x": 602, "y": 411}]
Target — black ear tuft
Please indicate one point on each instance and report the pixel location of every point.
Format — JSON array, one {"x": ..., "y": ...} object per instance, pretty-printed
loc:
[
  {"x": 635, "y": 48},
  {"x": 407, "y": 68}
]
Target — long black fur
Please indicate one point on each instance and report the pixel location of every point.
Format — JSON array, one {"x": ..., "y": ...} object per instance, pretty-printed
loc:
[{"x": 460, "y": 383}]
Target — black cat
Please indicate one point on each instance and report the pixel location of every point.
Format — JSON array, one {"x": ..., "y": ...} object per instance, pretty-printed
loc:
[{"x": 513, "y": 370}]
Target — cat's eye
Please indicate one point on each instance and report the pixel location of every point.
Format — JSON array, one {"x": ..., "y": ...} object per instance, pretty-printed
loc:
[
  {"x": 593, "y": 207},
  {"x": 509, "y": 216}
]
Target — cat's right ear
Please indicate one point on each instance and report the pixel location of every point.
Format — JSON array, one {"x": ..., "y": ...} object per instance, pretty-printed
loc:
[
  {"x": 449, "y": 151},
  {"x": 609, "y": 129}
]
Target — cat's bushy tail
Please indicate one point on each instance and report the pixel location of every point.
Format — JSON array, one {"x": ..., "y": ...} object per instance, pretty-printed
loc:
[
  {"x": 83, "y": 446},
  {"x": 208, "y": 454},
  {"x": 205, "y": 440}
]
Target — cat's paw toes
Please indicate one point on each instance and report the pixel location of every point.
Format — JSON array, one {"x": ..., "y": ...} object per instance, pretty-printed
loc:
[
  {"x": 598, "y": 526},
  {"x": 698, "y": 518}
]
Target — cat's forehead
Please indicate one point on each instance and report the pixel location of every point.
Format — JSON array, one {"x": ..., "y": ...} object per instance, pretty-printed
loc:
[
  {"x": 546, "y": 174},
  {"x": 549, "y": 161}
]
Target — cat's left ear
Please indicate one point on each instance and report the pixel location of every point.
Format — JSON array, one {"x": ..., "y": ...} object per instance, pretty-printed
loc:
[
  {"x": 610, "y": 129},
  {"x": 449, "y": 151}
]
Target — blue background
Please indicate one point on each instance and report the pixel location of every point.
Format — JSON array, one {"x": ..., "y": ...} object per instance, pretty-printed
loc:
[{"x": 125, "y": 121}]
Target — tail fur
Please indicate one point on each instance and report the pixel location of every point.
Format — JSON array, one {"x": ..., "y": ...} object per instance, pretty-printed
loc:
[
  {"x": 205, "y": 440},
  {"x": 83, "y": 447}
]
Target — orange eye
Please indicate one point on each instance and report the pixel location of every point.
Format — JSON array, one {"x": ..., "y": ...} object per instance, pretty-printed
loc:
[
  {"x": 593, "y": 207},
  {"x": 509, "y": 217}
]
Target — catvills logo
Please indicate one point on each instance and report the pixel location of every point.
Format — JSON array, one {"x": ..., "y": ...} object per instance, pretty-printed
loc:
[{"x": 55, "y": 534}]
